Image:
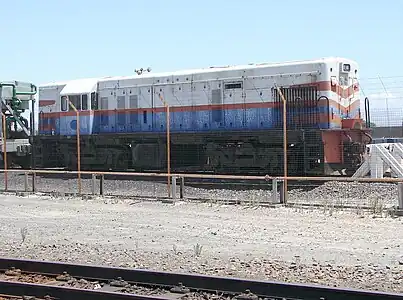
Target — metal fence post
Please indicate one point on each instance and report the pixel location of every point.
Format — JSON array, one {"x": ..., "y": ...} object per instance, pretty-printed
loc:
[
  {"x": 174, "y": 187},
  {"x": 26, "y": 184},
  {"x": 4, "y": 127},
  {"x": 182, "y": 187},
  {"x": 93, "y": 183},
  {"x": 274, "y": 189},
  {"x": 101, "y": 185},
  {"x": 34, "y": 182},
  {"x": 400, "y": 194},
  {"x": 282, "y": 194}
]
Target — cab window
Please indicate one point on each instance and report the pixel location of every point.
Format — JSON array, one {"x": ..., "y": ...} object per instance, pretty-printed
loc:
[
  {"x": 76, "y": 101},
  {"x": 84, "y": 102}
]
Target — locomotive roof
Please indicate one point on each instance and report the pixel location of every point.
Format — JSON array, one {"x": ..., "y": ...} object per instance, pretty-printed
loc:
[
  {"x": 79, "y": 86},
  {"x": 202, "y": 70},
  {"x": 224, "y": 68}
]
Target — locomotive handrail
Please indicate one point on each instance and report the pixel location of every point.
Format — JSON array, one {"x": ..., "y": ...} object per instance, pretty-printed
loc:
[
  {"x": 367, "y": 113},
  {"x": 299, "y": 114},
  {"x": 328, "y": 107},
  {"x": 31, "y": 93},
  {"x": 41, "y": 124},
  {"x": 10, "y": 85},
  {"x": 15, "y": 93}
]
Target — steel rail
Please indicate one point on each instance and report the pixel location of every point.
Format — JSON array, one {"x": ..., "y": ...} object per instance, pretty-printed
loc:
[
  {"x": 21, "y": 289},
  {"x": 194, "y": 282}
]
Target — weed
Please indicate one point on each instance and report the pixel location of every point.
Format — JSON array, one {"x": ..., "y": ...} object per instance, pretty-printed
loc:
[
  {"x": 175, "y": 249},
  {"x": 24, "y": 232},
  {"x": 197, "y": 249}
]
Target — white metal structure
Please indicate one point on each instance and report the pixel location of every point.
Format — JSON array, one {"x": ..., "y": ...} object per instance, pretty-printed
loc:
[
  {"x": 381, "y": 159},
  {"x": 16, "y": 98}
]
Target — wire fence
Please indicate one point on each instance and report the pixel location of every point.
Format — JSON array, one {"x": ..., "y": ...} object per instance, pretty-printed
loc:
[
  {"x": 379, "y": 196},
  {"x": 385, "y": 95}
]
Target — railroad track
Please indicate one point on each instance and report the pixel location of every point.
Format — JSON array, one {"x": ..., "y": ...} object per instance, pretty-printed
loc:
[{"x": 50, "y": 280}]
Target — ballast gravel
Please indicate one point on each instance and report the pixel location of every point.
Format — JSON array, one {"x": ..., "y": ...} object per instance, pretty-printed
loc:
[{"x": 343, "y": 248}]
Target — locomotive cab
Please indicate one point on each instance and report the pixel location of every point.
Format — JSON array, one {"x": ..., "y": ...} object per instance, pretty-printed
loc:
[{"x": 78, "y": 99}]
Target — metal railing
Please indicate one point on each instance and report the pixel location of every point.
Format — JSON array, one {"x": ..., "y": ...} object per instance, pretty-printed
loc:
[{"x": 271, "y": 188}]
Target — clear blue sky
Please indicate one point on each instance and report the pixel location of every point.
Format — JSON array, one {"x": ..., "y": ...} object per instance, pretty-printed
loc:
[{"x": 56, "y": 40}]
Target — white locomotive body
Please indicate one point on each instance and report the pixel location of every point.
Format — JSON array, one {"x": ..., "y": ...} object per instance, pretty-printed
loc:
[{"x": 219, "y": 107}]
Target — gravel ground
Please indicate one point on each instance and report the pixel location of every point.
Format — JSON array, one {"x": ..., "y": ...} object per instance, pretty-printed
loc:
[
  {"x": 342, "y": 249},
  {"x": 374, "y": 195}
]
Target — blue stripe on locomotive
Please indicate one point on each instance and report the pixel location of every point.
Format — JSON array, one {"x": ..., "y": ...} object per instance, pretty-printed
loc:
[{"x": 208, "y": 120}]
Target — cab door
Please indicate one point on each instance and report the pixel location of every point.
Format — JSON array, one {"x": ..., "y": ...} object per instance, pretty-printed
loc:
[{"x": 86, "y": 114}]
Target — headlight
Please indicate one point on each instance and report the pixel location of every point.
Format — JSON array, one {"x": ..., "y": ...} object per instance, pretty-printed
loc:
[{"x": 346, "y": 68}]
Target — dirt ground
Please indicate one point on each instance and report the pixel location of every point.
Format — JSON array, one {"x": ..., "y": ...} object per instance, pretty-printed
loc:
[{"x": 341, "y": 248}]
